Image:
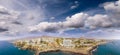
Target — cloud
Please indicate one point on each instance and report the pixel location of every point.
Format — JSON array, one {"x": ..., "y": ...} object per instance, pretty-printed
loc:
[
  {"x": 84, "y": 20},
  {"x": 98, "y": 21},
  {"x": 113, "y": 10},
  {"x": 75, "y": 21},
  {"x": 7, "y": 15},
  {"x": 6, "y": 19},
  {"x": 76, "y": 4},
  {"x": 110, "y": 19},
  {"x": 47, "y": 27},
  {"x": 2, "y": 30},
  {"x": 31, "y": 12},
  {"x": 13, "y": 21},
  {"x": 104, "y": 33},
  {"x": 16, "y": 16}
]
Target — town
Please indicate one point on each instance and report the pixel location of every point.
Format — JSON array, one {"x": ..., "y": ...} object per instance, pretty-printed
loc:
[{"x": 44, "y": 43}]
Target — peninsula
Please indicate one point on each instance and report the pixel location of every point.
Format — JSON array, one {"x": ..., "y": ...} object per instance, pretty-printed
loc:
[{"x": 82, "y": 46}]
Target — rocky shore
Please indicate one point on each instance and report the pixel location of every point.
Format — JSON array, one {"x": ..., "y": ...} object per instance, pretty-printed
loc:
[
  {"x": 88, "y": 51},
  {"x": 81, "y": 46},
  {"x": 92, "y": 49},
  {"x": 61, "y": 51}
]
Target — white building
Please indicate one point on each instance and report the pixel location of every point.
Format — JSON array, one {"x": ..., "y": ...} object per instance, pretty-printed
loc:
[
  {"x": 67, "y": 43},
  {"x": 48, "y": 39}
]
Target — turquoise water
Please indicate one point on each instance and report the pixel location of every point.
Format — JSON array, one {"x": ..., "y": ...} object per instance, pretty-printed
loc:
[
  {"x": 112, "y": 48},
  {"x": 7, "y": 48}
]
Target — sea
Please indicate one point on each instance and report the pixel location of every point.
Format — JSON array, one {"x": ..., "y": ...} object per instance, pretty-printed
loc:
[
  {"x": 112, "y": 48},
  {"x": 7, "y": 48}
]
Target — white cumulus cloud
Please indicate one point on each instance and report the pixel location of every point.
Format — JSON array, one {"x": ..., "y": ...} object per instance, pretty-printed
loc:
[
  {"x": 12, "y": 22},
  {"x": 75, "y": 21},
  {"x": 84, "y": 20},
  {"x": 113, "y": 10},
  {"x": 98, "y": 21}
]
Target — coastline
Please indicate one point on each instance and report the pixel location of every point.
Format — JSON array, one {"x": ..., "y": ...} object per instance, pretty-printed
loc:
[
  {"x": 94, "y": 48},
  {"x": 82, "y": 46},
  {"x": 76, "y": 51},
  {"x": 64, "y": 51}
]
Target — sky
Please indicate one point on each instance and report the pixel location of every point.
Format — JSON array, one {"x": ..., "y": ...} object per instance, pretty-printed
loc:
[{"x": 66, "y": 18}]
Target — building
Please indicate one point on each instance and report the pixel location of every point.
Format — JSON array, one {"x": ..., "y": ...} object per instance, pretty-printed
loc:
[
  {"x": 48, "y": 39},
  {"x": 67, "y": 43}
]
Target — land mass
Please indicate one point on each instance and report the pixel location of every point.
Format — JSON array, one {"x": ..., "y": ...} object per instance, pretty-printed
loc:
[{"x": 77, "y": 46}]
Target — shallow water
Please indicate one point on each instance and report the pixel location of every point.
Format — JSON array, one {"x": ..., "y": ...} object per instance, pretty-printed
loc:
[{"x": 7, "y": 48}]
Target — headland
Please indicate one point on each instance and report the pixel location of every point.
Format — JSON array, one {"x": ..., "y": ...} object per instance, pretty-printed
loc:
[{"x": 78, "y": 46}]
